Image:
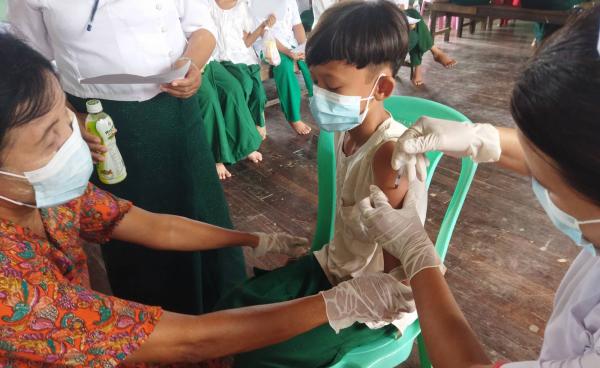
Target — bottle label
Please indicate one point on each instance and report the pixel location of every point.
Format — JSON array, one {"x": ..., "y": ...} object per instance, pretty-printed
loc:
[{"x": 112, "y": 170}]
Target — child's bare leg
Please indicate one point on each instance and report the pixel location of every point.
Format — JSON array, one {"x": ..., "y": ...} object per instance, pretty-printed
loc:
[
  {"x": 262, "y": 131},
  {"x": 223, "y": 172},
  {"x": 417, "y": 76},
  {"x": 442, "y": 58},
  {"x": 300, "y": 127},
  {"x": 255, "y": 157}
]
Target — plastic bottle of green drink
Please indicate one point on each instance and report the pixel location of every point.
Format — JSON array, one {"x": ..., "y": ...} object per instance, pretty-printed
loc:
[{"x": 112, "y": 169}]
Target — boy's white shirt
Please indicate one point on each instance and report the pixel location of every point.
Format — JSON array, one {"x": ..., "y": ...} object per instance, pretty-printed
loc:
[
  {"x": 346, "y": 257},
  {"x": 231, "y": 25}
]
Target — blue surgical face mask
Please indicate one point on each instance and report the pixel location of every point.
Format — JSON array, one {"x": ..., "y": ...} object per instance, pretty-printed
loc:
[
  {"x": 338, "y": 113},
  {"x": 64, "y": 178},
  {"x": 566, "y": 223}
]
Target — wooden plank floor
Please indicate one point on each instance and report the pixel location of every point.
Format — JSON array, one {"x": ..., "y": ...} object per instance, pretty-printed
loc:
[{"x": 506, "y": 259}]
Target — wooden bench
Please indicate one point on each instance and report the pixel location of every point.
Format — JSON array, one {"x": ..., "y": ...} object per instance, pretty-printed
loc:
[{"x": 485, "y": 12}]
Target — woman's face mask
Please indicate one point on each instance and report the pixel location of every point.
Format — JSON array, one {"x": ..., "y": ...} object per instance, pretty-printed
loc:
[
  {"x": 64, "y": 177},
  {"x": 338, "y": 113},
  {"x": 564, "y": 222}
]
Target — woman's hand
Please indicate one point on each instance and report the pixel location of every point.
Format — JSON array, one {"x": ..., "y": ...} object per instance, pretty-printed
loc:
[
  {"x": 479, "y": 141},
  {"x": 281, "y": 243},
  {"x": 399, "y": 232},
  {"x": 187, "y": 87},
  {"x": 94, "y": 143}
]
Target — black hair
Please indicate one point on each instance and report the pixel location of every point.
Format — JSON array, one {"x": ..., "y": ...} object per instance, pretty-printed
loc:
[
  {"x": 26, "y": 80},
  {"x": 361, "y": 33},
  {"x": 556, "y": 102}
]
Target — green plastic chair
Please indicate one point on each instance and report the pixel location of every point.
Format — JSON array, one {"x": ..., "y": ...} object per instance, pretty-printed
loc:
[
  {"x": 3, "y": 9},
  {"x": 389, "y": 352}
]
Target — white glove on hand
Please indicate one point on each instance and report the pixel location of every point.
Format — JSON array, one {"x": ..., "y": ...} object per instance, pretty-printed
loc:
[
  {"x": 371, "y": 298},
  {"x": 400, "y": 232},
  {"x": 479, "y": 141},
  {"x": 281, "y": 243}
]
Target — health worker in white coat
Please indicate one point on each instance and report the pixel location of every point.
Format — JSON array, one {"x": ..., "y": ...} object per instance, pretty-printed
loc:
[{"x": 555, "y": 103}]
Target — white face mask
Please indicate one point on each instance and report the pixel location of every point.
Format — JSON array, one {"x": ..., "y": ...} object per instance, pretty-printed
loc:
[
  {"x": 339, "y": 113},
  {"x": 62, "y": 179},
  {"x": 564, "y": 222}
]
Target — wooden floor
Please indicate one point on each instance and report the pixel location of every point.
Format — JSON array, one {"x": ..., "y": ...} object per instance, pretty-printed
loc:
[{"x": 506, "y": 259}]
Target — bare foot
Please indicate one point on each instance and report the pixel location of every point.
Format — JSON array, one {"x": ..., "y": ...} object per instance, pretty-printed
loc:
[
  {"x": 300, "y": 127},
  {"x": 442, "y": 58},
  {"x": 262, "y": 131},
  {"x": 417, "y": 77},
  {"x": 223, "y": 172},
  {"x": 255, "y": 157}
]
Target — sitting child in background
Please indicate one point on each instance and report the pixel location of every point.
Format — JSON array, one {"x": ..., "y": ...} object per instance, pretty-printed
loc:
[
  {"x": 354, "y": 53},
  {"x": 289, "y": 33},
  {"x": 421, "y": 41},
  {"x": 232, "y": 98},
  {"x": 237, "y": 34}
]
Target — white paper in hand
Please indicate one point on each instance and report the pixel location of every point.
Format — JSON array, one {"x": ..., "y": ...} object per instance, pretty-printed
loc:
[
  {"x": 261, "y": 9},
  {"x": 162, "y": 78}
]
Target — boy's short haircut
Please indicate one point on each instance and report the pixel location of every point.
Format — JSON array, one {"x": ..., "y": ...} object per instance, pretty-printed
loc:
[{"x": 361, "y": 33}]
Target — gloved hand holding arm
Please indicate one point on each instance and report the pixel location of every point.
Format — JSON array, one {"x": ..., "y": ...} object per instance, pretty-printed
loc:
[
  {"x": 449, "y": 339},
  {"x": 481, "y": 142},
  {"x": 399, "y": 232}
]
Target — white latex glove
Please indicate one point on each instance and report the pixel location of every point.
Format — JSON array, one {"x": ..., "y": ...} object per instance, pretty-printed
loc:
[
  {"x": 370, "y": 298},
  {"x": 281, "y": 243},
  {"x": 481, "y": 142},
  {"x": 399, "y": 232}
]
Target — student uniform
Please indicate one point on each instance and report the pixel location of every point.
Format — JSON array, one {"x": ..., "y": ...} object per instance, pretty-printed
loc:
[
  {"x": 169, "y": 163},
  {"x": 233, "y": 98},
  {"x": 288, "y": 87},
  {"x": 341, "y": 259}
]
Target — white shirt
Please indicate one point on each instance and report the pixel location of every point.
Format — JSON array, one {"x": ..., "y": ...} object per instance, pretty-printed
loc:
[
  {"x": 231, "y": 25},
  {"x": 303, "y": 5},
  {"x": 319, "y": 7},
  {"x": 143, "y": 37},
  {"x": 346, "y": 256},
  {"x": 283, "y": 29},
  {"x": 572, "y": 336}
]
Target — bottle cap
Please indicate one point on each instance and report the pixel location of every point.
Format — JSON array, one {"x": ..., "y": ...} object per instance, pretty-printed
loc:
[{"x": 93, "y": 106}]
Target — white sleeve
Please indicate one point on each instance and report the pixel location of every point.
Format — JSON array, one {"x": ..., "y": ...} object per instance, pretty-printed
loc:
[
  {"x": 319, "y": 7},
  {"x": 27, "y": 22},
  {"x": 249, "y": 23},
  {"x": 590, "y": 359},
  {"x": 295, "y": 12},
  {"x": 195, "y": 15}
]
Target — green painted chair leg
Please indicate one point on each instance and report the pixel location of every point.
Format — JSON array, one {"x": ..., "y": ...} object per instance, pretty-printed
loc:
[{"x": 423, "y": 357}]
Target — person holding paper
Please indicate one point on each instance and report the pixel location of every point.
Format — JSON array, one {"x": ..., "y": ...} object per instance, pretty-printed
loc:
[
  {"x": 169, "y": 163},
  {"x": 290, "y": 34}
]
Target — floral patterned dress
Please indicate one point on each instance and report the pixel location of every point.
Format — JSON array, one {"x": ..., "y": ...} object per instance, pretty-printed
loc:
[{"x": 49, "y": 316}]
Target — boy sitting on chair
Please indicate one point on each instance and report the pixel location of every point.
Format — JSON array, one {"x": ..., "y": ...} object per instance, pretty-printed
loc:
[{"x": 353, "y": 55}]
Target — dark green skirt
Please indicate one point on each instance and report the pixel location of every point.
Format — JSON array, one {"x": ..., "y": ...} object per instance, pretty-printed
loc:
[
  {"x": 229, "y": 127},
  {"x": 319, "y": 347},
  {"x": 419, "y": 39},
  {"x": 170, "y": 170}
]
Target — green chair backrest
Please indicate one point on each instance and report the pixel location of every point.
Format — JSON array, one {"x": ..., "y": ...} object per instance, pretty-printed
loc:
[
  {"x": 3, "y": 8},
  {"x": 389, "y": 352}
]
